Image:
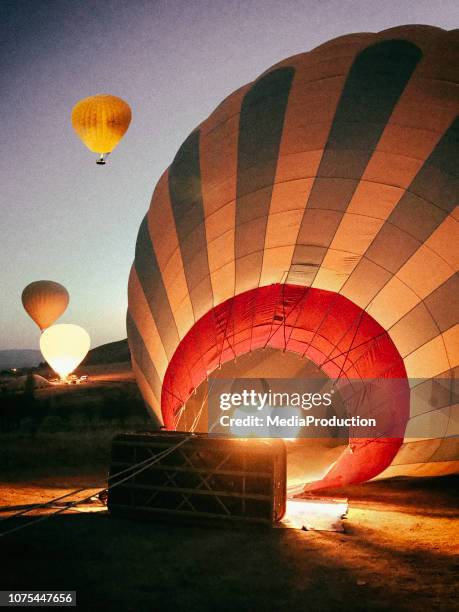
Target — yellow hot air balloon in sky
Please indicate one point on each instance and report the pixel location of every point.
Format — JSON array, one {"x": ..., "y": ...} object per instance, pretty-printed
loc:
[
  {"x": 101, "y": 121},
  {"x": 45, "y": 301},
  {"x": 64, "y": 347}
]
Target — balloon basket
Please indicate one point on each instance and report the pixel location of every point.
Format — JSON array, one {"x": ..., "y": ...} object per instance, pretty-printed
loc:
[{"x": 183, "y": 477}]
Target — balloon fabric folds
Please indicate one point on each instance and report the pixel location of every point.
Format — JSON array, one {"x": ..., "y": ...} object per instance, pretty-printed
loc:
[
  {"x": 64, "y": 347},
  {"x": 101, "y": 121},
  {"x": 314, "y": 212},
  {"x": 45, "y": 301}
]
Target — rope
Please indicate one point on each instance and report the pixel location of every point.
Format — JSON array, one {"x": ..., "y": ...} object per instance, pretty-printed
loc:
[
  {"x": 151, "y": 461},
  {"x": 75, "y": 492},
  {"x": 199, "y": 413},
  {"x": 44, "y": 504},
  {"x": 316, "y": 331},
  {"x": 349, "y": 349},
  {"x": 300, "y": 308}
]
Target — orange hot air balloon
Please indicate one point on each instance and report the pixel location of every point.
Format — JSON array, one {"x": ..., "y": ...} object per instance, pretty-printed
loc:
[
  {"x": 45, "y": 301},
  {"x": 101, "y": 121}
]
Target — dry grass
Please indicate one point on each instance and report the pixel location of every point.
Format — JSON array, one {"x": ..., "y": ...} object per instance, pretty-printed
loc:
[
  {"x": 392, "y": 557},
  {"x": 25, "y": 456}
]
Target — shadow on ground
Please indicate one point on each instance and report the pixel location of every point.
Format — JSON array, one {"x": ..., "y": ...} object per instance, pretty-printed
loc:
[{"x": 120, "y": 564}]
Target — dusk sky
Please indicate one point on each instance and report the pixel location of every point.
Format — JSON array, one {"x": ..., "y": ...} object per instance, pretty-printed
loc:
[{"x": 66, "y": 219}]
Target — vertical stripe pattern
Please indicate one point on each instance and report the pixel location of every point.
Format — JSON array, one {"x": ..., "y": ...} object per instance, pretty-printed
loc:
[
  {"x": 187, "y": 206},
  {"x": 260, "y": 130},
  {"x": 337, "y": 169}
]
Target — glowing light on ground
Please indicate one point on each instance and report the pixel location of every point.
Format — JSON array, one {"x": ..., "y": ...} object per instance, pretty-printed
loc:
[{"x": 315, "y": 514}]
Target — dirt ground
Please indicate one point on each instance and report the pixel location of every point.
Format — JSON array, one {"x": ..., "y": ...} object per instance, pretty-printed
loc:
[{"x": 399, "y": 552}]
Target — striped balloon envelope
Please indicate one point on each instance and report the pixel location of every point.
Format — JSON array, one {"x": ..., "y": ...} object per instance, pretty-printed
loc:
[{"x": 315, "y": 212}]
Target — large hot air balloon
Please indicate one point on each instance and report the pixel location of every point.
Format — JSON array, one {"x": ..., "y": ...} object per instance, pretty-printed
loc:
[
  {"x": 64, "y": 347},
  {"x": 315, "y": 212},
  {"x": 45, "y": 301},
  {"x": 101, "y": 121}
]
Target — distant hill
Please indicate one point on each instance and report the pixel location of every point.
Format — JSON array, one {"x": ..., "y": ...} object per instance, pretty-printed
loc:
[
  {"x": 19, "y": 358},
  {"x": 113, "y": 352}
]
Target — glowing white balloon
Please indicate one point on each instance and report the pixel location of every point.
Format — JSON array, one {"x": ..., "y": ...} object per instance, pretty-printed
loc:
[{"x": 64, "y": 347}]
